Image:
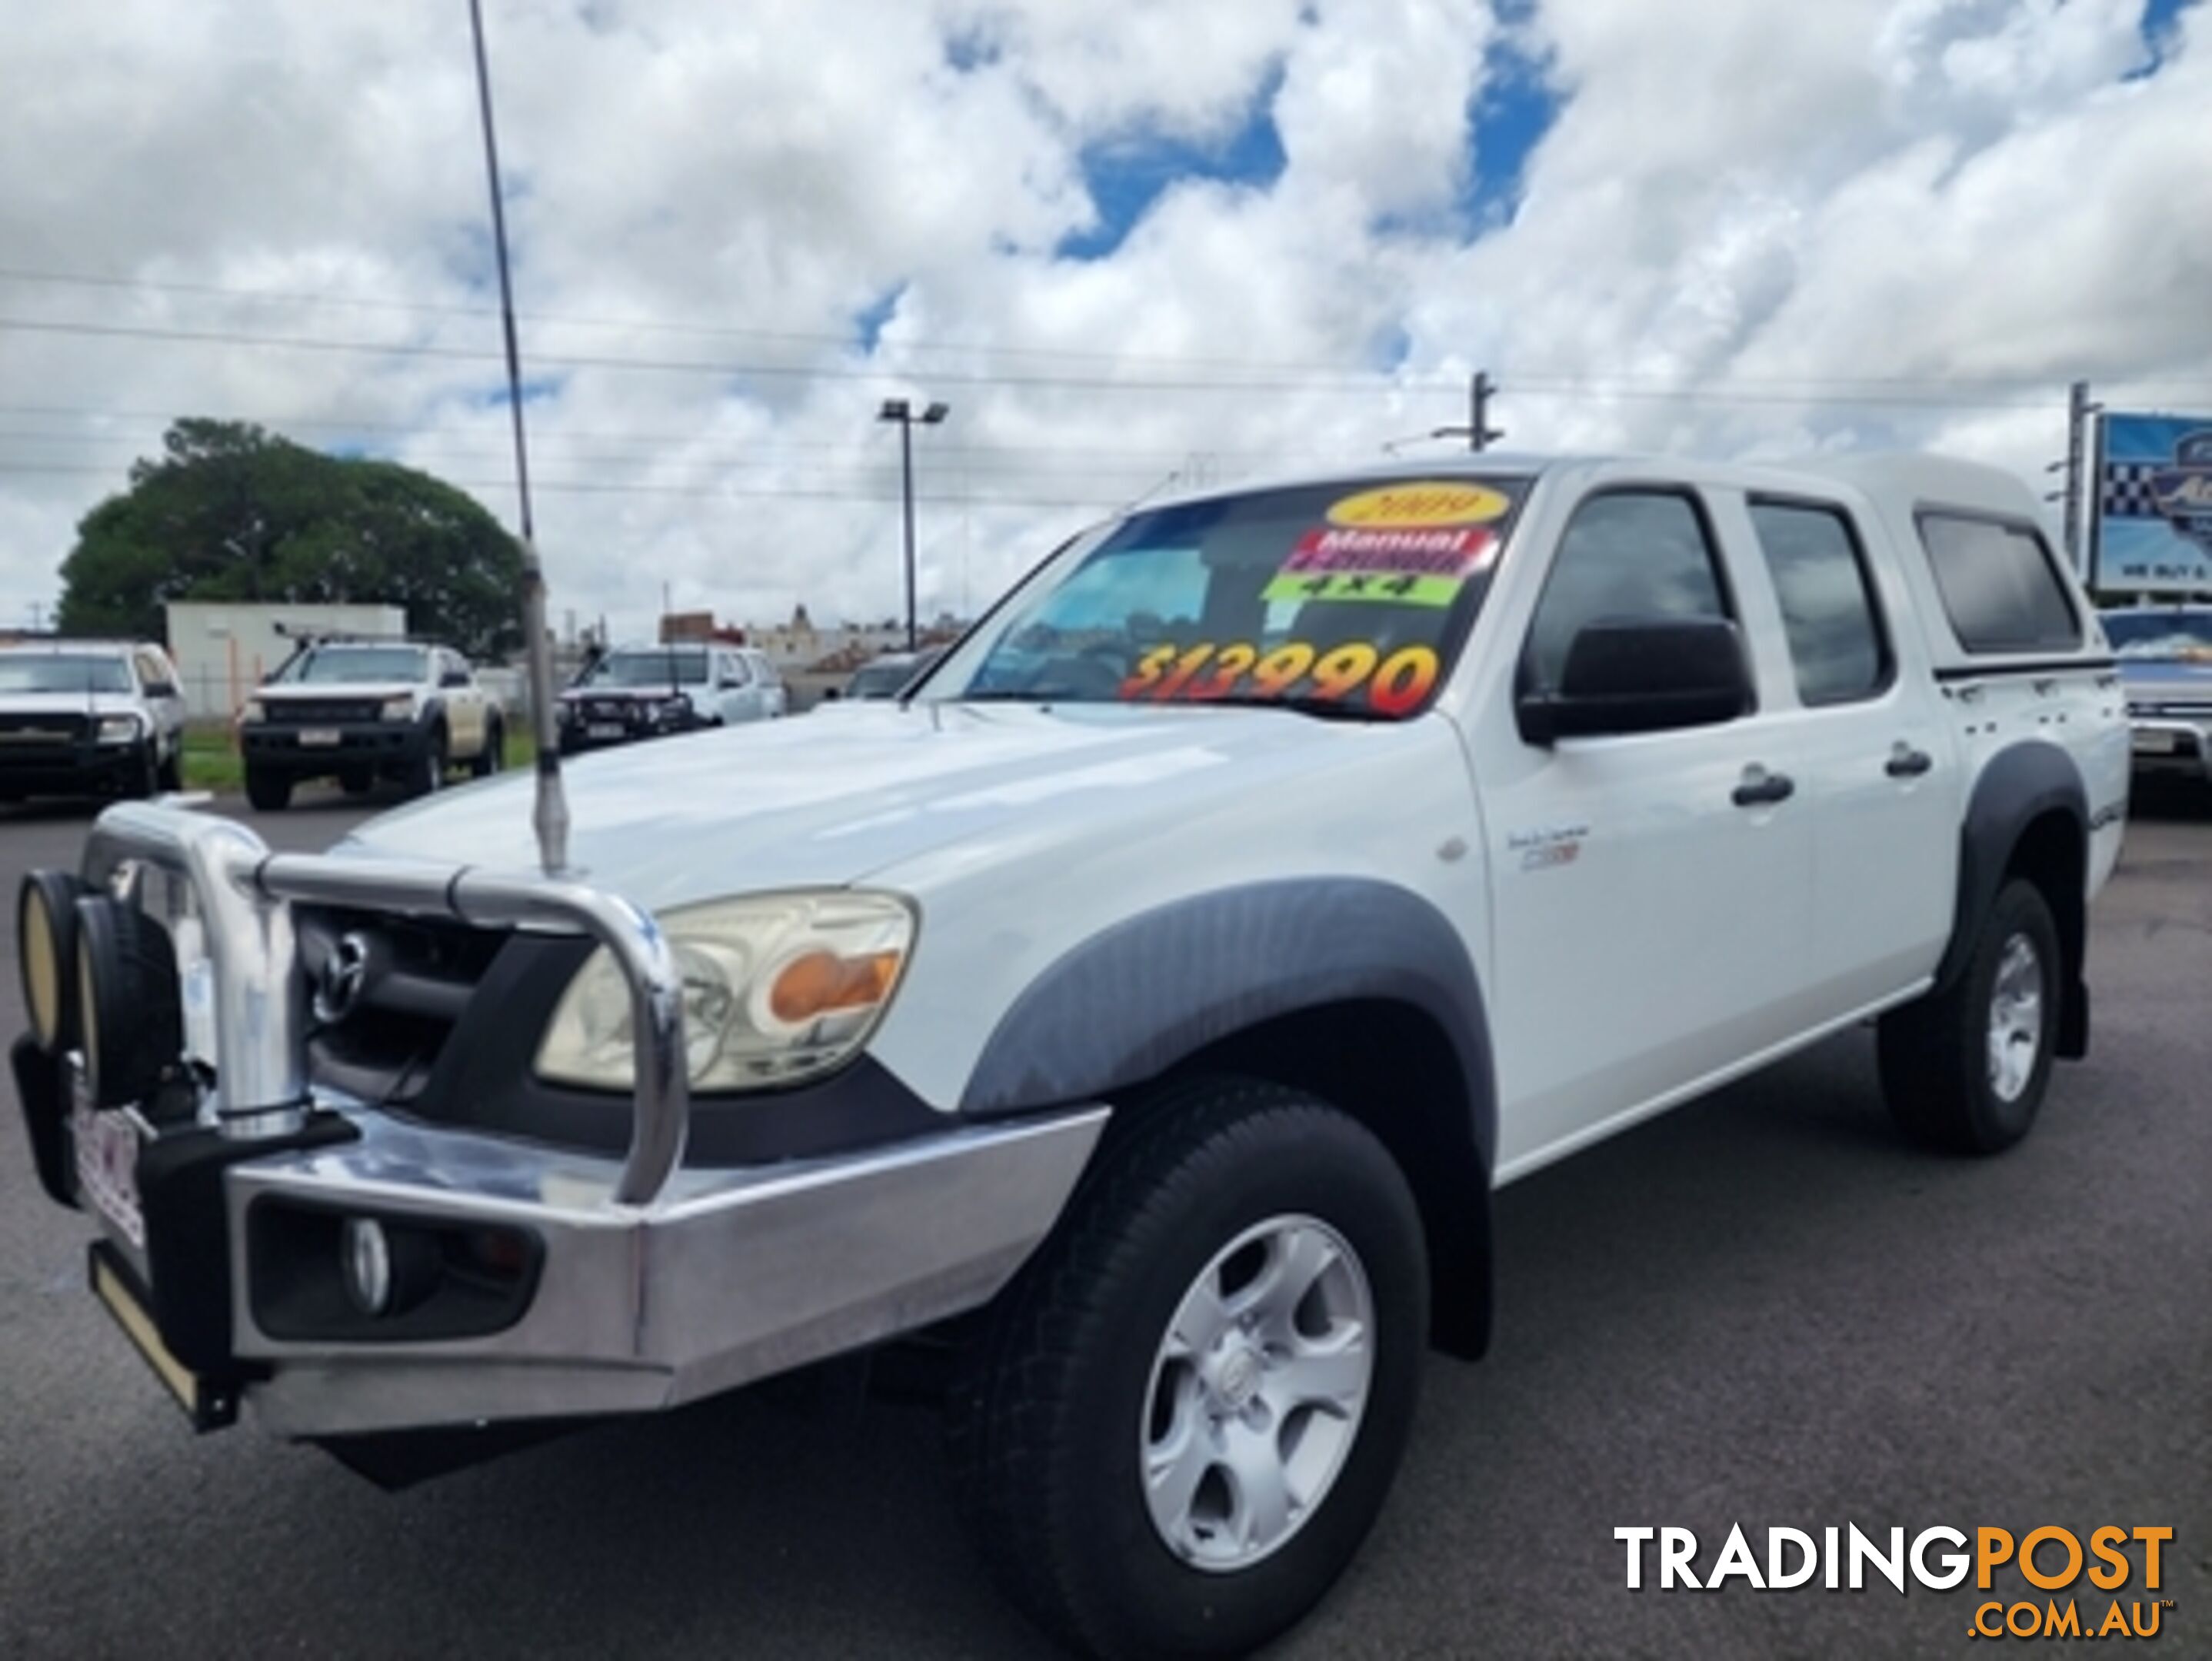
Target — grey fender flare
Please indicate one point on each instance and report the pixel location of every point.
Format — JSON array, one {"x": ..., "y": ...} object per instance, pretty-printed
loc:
[
  {"x": 1129, "y": 1003},
  {"x": 2016, "y": 787}
]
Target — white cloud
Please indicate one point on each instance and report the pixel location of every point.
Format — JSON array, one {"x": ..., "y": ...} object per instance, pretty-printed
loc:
[{"x": 1744, "y": 215}]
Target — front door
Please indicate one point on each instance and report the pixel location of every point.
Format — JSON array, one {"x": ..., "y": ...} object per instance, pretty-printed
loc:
[{"x": 1651, "y": 891}]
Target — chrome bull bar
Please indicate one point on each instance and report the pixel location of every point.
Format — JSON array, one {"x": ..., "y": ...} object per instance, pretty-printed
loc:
[{"x": 244, "y": 893}]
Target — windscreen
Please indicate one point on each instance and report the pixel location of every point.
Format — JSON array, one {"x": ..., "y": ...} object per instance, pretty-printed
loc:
[
  {"x": 1349, "y": 598},
  {"x": 59, "y": 672},
  {"x": 2181, "y": 633},
  {"x": 648, "y": 669},
  {"x": 341, "y": 665}
]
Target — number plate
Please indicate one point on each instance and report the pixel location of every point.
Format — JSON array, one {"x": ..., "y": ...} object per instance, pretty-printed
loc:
[
  {"x": 106, "y": 1160},
  {"x": 320, "y": 738},
  {"x": 2155, "y": 743},
  {"x": 604, "y": 729}
]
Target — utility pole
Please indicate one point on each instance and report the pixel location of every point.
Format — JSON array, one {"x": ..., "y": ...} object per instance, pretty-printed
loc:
[
  {"x": 2078, "y": 408},
  {"x": 1478, "y": 432},
  {"x": 2072, "y": 494}
]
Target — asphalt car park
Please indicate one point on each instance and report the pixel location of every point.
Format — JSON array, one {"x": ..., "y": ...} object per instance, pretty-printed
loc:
[{"x": 1764, "y": 1308}]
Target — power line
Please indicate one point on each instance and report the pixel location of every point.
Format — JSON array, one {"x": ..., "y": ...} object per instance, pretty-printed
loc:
[
  {"x": 1343, "y": 383},
  {"x": 585, "y": 487},
  {"x": 1558, "y": 388},
  {"x": 1529, "y": 374}
]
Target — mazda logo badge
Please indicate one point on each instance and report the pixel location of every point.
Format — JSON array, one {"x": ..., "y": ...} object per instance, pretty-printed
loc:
[{"x": 345, "y": 975}]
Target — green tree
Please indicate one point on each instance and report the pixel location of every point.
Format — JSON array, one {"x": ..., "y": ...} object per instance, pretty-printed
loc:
[{"x": 233, "y": 511}]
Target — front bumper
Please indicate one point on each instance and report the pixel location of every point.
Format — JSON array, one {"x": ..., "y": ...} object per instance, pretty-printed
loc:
[
  {"x": 2170, "y": 746},
  {"x": 282, "y": 747},
  {"x": 71, "y": 769},
  {"x": 649, "y": 1284},
  {"x": 581, "y": 731}
]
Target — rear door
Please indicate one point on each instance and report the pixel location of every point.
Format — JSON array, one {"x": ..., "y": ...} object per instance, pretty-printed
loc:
[
  {"x": 1880, "y": 770},
  {"x": 1651, "y": 891}
]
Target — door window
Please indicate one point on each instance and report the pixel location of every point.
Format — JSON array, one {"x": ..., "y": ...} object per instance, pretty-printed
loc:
[
  {"x": 1828, "y": 603},
  {"x": 1627, "y": 553}
]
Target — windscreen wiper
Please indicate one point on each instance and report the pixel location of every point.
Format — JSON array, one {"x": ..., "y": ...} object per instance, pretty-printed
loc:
[{"x": 1321, "y": 709}]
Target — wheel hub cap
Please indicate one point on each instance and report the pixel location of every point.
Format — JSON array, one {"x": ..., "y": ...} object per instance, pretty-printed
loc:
[
  {"x": 1257, "y": 1392},
  {"x": 2015, "y": 1033}
]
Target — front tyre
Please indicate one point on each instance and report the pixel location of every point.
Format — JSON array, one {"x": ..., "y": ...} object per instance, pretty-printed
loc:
[
  {"x": 493, "y": 756},
  {"x": 268, "y": 792},
  {"x": 1183, "y": 1416},
  {"x": 429, "y": 773},
  {"x": 1966, "y": 1069}
]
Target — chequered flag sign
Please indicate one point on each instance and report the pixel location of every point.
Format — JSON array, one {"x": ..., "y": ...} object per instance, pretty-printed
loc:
[{"x": 2127, "y": 492}]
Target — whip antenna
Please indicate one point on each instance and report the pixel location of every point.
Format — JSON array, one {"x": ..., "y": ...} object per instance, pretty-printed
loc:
[{"x": 549, "y": 814}]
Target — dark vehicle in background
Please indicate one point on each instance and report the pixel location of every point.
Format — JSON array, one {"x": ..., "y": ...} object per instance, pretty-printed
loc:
[
  {"x": 88, "y": 717},
  {"x": 652, "y": 691},
  {"x": 892, "y": 674},
  {"x": 2166, "y": 668},
  {"x": 358, "y": 711}
]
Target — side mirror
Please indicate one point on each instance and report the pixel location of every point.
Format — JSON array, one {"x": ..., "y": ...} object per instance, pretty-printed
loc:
[
  {"x": 454, "y": 678},
  {"x": 830, "y": 695},
  {"x": 161, "y": 689},
  {"x": 728, "y": 683},
  {"x": 1642, "y": 675}
]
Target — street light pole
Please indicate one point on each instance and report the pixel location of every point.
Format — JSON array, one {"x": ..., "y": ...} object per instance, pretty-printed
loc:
[{"x": 901, "y": 411}]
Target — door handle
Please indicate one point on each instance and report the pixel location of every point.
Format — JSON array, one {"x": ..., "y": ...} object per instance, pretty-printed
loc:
[
  {"x": 1760, "y": 788},
  {"x": 1906, "y": 763}
]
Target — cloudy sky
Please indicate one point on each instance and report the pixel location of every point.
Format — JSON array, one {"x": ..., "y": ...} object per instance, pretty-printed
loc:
[{"x": 1130, "y": 242}]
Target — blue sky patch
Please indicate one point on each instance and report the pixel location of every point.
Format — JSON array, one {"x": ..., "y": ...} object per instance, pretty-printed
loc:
[
  {"x": 2158, "y": 23},
  {"x": 1126, "y": 175},
  {"x": 868, "y": 322},
  {"x": 1514, "y": 111}
]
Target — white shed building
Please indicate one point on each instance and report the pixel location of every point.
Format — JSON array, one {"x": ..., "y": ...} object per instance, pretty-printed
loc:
[{"x": 223, "y": 648}]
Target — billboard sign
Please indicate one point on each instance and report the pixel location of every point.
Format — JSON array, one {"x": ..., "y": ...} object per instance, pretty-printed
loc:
[{"x": 2154, "y": 522}]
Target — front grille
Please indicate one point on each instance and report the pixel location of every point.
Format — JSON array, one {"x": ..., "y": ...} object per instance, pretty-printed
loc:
[
  {"x": 381, "y": 1038},
  {"x": 611, "y": 709},
  {"x": 34, "y": 732},
  {"x": 322, "y": 711}
]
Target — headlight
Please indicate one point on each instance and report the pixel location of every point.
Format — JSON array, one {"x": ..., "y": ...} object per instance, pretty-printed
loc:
[
  {"x": 776, "y": 987},
  {"x": 119, "y": 730},
  {"x": 398, "y": 709},
  {"x": 253, "y": 710}
]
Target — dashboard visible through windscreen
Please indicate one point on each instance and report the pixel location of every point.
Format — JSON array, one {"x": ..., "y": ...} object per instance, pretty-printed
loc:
[{"x": 1349, "y": 598}]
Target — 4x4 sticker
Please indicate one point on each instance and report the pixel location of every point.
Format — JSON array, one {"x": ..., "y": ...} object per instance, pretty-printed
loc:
[
  {"x": 1421, "y": 504},
  {"x": 1395, "y": 685},
  {"x": 1398, "y": 566}
]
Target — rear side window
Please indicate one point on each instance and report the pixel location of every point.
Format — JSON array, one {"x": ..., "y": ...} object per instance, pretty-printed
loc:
[
  {"x": 1999, "y": 585},
  {"x": 1626, "y": 553},
  {"x": 1828, "y": 603}
]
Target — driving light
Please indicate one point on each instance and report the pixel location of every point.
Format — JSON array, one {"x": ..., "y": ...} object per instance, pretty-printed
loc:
[
  {"x": 397, "y": 709},
  {"x": 45, "y": 946},
  {"x": 252, "y": 710},
  {"x": 776, "y": 987},
  {"x": 119, "y": 730}
]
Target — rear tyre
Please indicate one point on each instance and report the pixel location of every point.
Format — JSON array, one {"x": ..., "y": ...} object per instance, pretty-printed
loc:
[
  {"x": 1180, "y": 1420},
  {"x": 1966, "y": 1069},
  {"x": 268, "y": 792},
  {"x": 493, "y": 756}
]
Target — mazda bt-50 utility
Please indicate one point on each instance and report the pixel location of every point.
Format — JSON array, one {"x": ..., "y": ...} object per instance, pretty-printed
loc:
[{"x": 1144, "y": 1006}]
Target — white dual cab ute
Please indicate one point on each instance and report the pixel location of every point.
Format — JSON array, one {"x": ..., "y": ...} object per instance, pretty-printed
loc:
[
  {"x": 359, "y": 710},
  {"x": 1145, "y": 1006}
]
